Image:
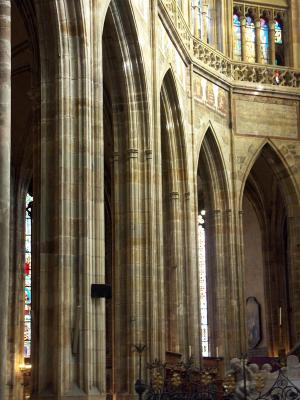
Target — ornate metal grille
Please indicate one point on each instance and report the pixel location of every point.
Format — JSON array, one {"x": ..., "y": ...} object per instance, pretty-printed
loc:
[
  {"x": 282, "y": 389},
  {"x": 182, "y": 381}
]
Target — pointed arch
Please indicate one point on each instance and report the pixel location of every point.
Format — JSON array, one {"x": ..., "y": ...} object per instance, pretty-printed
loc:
[
  {"x": 171, "y": 111},
  {"x": 213, "y": 198},
  {"x": 279, "y": 166},
  {"x": 174, "y": 188},
  {"x": 215, "y": 171},
  {"x": 270, "y": 188},
  {"x": 126, "y": 140},
  {"x": 131, "y": 69}
]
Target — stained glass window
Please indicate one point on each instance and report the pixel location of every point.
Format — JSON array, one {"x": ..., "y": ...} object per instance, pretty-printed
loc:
[
  {"x": 278, "y": 31},
  {"x": 264, "y": 40},
  {"x": 237, "y": 38},
  {"x": 27, "y": 280},
  {"x": 250, "y": 40},
  {"x": 203, "y": 289},
  {"x": 279, "y": 50}
]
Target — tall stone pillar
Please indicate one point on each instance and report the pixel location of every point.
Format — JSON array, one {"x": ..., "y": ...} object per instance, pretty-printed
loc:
[
  {"x": 287, "y": 44},
  {"x": 216, "y": 226},
  {"x": 189, "y": 12},
  {"x": 204, "y": 21},
  {"x": 5, "y": 140},
  {"x": 257, "y": 41},
  {"x": 174, "y": 268},
  {"x": 272, "y": 42},
  {"x": 243, "y": 38},
  {"x": 292, "y": 54},
  {"x": 241, "y": 285},
  {"x": 227, "y": 29},
  {"x": 196, "y": 22}
]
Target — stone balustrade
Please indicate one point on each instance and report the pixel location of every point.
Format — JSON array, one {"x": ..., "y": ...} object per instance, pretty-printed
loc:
[{"x": 231, "y": 70}]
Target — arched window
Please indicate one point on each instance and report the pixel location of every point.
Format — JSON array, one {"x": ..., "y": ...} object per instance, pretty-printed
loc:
[
  {"x": 279, "y": 51},
  {"x": 27, "y": 279},
  {"x": 264, "y": 40},
  {"x": 203, "y": 284},
  {"x": 250, "y": 39},
  {"x": 237, "y": 38}
]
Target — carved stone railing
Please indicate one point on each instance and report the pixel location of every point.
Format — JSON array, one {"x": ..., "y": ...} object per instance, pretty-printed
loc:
[{"x": 209, "y": 57}]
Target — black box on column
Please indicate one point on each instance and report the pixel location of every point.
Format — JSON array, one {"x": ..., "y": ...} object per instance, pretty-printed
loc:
[{"x": 100, "y": 290}]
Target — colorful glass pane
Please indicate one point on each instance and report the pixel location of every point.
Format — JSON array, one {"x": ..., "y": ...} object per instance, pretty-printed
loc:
[
  {"x": 250, "y": 40},
  {"x": 278, "y": 32},
  {"x": 203, "y": 289},
  {"x": 27, "y": 280},
  {"x": 264, "y": 40},
  {"x": 237, "y": 38}
]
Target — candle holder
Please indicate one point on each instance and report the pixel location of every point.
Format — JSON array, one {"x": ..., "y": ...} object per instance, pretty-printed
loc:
[{"x": 140, "y": 386}]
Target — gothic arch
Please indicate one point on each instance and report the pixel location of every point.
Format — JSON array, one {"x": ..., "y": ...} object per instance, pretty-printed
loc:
[
  {"x": 175, "y": 213},
  {"x": 275, "y": 200},
  {"x": 213, "y": 197},
  {"x": 131, "y": 61},
  {"x": 216, "y": 177},
  {"x": 129, "y": 140},
  {"x": 176, "y": 138},
  {"x": 25, "y": 84},
  {"x": 280, "y": 169}
]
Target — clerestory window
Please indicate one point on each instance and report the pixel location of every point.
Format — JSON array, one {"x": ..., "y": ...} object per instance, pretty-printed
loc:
[
  {"x": 258, "y": 34},
  {"x": 27, "y": 279}
]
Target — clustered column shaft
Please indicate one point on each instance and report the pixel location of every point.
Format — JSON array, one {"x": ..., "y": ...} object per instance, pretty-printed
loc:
[{"x": 5, "y": 140}]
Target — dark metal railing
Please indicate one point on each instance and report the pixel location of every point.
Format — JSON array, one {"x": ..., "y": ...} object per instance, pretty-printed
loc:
[{"x": 186, "y": 381}]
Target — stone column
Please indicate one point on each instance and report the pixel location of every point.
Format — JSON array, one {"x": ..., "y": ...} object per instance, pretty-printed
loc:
[
  {"x": 257, "y": 41},
  {"x": 243, "y": 37},
  {"x": 286, "y": 40},
  {"x": 174, "y": 268},
  {"x": 272, "y": 42},
  {"x": 218, "y": 281},
  {"x": 189, "y": 13},
  {"x": 5, "y": 139},
  {"x": 241, "y": 285},
  {"x": 204, "y": 22},
  {"x": 196, "y": 21}
]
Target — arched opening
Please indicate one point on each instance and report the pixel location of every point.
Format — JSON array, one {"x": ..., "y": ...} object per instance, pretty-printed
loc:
[
  {"x": 268, "y": 201},
  {"x": 25, "y": 82},
  {"x": 213, "y": 227},
  {"x": 173, "y": 172},
  {"x": 125, "y": 139}
]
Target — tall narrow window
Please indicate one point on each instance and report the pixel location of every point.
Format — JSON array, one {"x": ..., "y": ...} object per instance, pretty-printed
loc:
[
  {"x": 279, "y": 51},
  {"x": 250, "y": 40},
  {"x": 203, "y": 286},
  {"x": 264, "y": 40},
  {"x": 27, "y": 279},
  {"x": 237, "y": 38},
  {"x": 278, "y": 31}
]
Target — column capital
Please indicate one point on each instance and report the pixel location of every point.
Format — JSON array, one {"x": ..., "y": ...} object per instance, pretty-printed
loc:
[
  {"x": 271, "y": 25},
  {"x": 257, "y": 23},
  {"x": 243, "y": 20}
]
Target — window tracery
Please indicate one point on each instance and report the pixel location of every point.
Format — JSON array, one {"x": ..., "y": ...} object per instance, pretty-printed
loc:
[
  {"x": 264, "y": 40},
  {"x": 27, "y": 278},
  {"x": 260, "y": 38},
  {"x": 203, "y": 284},
  {"x": 250, "y": 39},
  {"x": 237, "y": 38}
]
